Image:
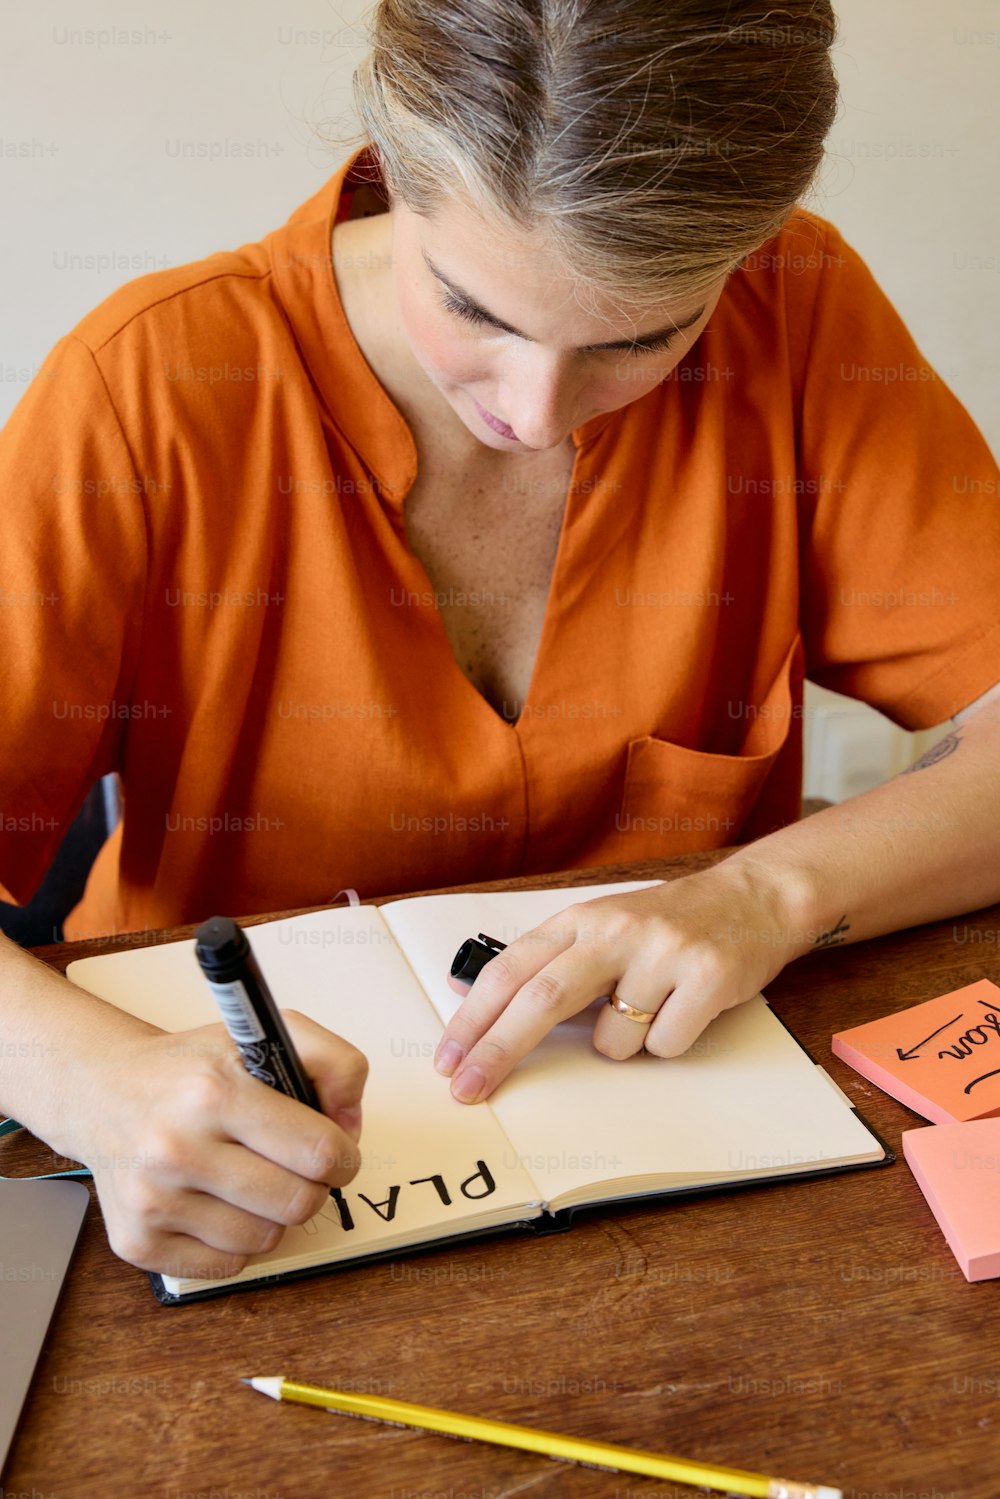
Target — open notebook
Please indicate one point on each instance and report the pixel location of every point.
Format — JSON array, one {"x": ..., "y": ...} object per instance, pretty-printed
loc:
[{"x": 568, "y": 1128}]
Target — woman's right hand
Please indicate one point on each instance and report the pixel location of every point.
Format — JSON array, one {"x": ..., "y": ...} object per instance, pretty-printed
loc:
[{"x": 197, "y": 1164}]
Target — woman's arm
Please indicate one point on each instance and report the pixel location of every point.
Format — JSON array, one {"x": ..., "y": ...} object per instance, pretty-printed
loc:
[
  {"x": 919, "y": 847},
  {"x": 922, "y": 846}
]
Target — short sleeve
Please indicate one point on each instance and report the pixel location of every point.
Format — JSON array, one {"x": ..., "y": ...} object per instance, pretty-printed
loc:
[
  {"x": 72, "y": 578},
  {"x": 900, "y": 504}
]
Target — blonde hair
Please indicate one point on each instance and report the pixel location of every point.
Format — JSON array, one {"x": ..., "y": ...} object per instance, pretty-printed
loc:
[{"x": 655, "y": 143}]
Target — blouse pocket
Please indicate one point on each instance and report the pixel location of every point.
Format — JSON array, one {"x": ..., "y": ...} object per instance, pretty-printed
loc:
[{"x": 679, "y": 800}]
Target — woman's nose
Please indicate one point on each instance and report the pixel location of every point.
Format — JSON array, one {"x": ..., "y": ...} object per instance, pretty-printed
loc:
[{"x": 543, "y": 400}]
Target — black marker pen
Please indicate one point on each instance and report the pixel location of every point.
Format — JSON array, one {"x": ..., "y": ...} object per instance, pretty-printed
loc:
[{"x": 252, "y": 1018}]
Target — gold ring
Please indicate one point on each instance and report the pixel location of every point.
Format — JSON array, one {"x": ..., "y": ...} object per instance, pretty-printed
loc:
[{"x": 630, "y": 1011}]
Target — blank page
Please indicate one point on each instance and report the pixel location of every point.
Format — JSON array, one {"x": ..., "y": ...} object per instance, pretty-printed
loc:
[{"x": 745, "y": 1100}]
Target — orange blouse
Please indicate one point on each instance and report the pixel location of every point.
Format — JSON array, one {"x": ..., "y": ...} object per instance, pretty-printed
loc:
[{"x": 205, "y": 585}]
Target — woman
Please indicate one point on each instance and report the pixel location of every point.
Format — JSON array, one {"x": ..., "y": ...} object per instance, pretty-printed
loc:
[{"x": 503, "y": 547}]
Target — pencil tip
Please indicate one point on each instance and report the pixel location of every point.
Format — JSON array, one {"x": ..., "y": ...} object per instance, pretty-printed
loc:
[{"x": 245, "y": 1381}]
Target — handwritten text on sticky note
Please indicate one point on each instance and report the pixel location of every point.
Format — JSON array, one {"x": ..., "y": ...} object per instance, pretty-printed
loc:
[{"x": 941, "y": 1058}]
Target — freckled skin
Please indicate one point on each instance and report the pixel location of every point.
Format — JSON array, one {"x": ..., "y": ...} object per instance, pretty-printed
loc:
[
  {"x": 472, "y": 482},
  {"x": 544, "y": 388}
]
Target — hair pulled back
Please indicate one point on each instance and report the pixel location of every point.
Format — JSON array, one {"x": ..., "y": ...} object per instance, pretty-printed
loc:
[{"x": 655, "y": 143}]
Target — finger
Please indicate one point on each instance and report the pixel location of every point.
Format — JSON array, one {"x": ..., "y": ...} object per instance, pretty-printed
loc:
[
  {"x": 280, "y": 1129},
  {"x": 219, "y": 1226},
  {"x": 178, "y": 1255},
  {"x": 338, "y": 1069},
  {"x": 621, "y": 1036},
  {"x": 496, "y": 985},
  {"x": 644, "y": 986},
  {"x": 573, "y": 980},
  {"x": 254, "y": 1188},
  {"x": 682, "y": 1019}
]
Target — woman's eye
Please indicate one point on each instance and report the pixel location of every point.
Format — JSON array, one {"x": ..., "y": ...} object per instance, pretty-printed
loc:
[
  {"x": 659, "y": 348},
  {"x": 463, "y": 310}
]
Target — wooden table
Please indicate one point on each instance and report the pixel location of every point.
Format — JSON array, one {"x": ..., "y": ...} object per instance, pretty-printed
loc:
[{"x": 818, "y": 1330}]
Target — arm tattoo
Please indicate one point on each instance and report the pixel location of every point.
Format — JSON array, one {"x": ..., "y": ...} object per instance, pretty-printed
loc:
[
  {"x": 835, "y": 936},
  {"x": 940, "y": 751}
]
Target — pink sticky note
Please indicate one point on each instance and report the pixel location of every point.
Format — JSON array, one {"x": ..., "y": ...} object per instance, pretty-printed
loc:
[
  {"x": 957, "y": 1167},
  {"x": 941, "y": 1058}
]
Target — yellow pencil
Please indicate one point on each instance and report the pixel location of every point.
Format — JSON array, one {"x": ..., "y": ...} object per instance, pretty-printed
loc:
[{"x": 549, "y": 1443}]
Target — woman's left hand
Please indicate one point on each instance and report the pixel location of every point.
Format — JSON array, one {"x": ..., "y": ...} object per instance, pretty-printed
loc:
[{"x": 682, "y": 952}]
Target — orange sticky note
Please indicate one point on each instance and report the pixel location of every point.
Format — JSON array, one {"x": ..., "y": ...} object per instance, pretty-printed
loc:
[
  {"x": 957, "y": 1167},
  {"x": 941, "y": 1059}
]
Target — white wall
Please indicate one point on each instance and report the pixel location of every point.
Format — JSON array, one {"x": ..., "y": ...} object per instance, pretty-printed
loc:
[
  {"x": 100, "y": 124},
  {"x": 913, "y": 176},
  {"x": 101, "y": 105},
  {"x": 913, "y": 181}
]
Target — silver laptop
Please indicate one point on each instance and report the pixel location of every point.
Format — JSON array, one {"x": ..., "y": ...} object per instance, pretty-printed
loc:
[{"x": 40, "y": 1222}]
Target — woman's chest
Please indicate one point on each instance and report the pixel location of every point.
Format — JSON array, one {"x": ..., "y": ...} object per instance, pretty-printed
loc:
[{"x": 488, "y": 540}]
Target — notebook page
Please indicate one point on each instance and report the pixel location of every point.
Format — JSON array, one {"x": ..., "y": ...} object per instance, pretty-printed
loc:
[
  {"x": 745, "y": 1100},
  {"x": 343, "y": 969}
]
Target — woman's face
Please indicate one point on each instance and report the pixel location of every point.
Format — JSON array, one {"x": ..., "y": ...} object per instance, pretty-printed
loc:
[{"x": 540, "y": 377}]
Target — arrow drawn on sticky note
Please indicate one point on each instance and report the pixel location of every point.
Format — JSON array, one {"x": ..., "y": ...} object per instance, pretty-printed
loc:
[{"x": 911, "y": 1055}]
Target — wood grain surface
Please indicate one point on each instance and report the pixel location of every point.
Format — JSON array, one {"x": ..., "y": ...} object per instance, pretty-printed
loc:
[{"x": 818, "y": 1330}]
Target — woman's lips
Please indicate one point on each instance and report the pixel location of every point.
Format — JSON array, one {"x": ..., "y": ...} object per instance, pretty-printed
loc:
[{"x": 497, "y": 425}]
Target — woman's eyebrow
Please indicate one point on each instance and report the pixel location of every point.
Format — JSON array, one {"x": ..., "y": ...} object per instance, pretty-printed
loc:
[{"x": 625, "y": 343}]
